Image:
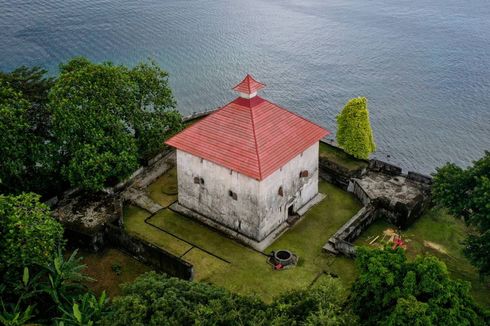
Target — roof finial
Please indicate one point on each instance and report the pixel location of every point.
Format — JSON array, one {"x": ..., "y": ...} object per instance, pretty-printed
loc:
[{"x": 248, "y": 87}]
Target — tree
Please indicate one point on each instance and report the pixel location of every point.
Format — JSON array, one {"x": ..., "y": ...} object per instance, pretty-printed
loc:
[
  {"x": 106, "y": 117},
  {"x": 155, "y": 117},
  {"x": 34, "y": 86},
  {"x": 27, "y": 151},
  {"x": 89, "y": 103},
  {"x": 154, "y": 299},
  {"x": 354, "y": 132},
  {"x": 29, "y": 234},
  {"x": 393, "y": 291},
  {"x": 466, "y": 194}
]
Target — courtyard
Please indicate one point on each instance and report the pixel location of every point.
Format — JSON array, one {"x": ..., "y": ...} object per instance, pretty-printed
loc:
[{"x": 222, "y": 261}]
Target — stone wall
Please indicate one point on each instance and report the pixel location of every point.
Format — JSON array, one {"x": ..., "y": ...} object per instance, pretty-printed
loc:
[
  {"x": 223, "y": 195},
  {"x": 384, "y": 190},
  {"x": 148, "y": 253}
]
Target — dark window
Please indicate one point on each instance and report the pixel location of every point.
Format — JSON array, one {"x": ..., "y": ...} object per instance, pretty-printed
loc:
[
  {"x": 232, "y": 194},
  {"x": 303, "y": 174},
  {"x": 280, "y": 192},
  {"x": 198, "y": 180}
]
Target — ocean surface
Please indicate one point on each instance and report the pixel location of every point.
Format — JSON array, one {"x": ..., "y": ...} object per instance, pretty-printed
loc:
[{"x": 424, "y": 65}]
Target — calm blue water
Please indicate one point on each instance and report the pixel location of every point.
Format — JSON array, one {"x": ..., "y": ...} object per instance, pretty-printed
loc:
[{"x": 423, "y": 64}]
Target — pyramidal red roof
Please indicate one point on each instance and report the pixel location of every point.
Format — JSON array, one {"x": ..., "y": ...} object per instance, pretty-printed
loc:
[
  {"x": 252, "y": 136},
  {"x": 248, "y": 85}
]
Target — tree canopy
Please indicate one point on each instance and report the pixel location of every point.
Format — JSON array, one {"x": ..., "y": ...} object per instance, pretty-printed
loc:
[
  {"x": 90, "y": 127},
  {"x": 29, "y": 234},
  {"x": 354, "y": 132},
  {"x": 107, "y": 117},
  {"x": 155, "y": 299},
  {"x": 393, "y": 291},
  {"x": 466, "y": 194}
]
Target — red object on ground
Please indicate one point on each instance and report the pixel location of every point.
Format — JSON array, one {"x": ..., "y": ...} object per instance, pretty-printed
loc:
[
  {"x": 278, "y": 266},
  {"x": 398, "y": 242},
  {"x": 251, "y": 136}
]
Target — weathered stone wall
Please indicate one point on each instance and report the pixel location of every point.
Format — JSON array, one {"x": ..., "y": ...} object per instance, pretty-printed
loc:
[
  {"x": 384, "y": 191},
  {"x": 148, "y": 253},
  {"x": 257, "y": 208},
  {"x": 211, "y": 197},
  {"x": 297, "y": 191}
]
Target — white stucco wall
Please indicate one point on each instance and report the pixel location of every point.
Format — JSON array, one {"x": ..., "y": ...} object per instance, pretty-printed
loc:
[
  {"x": 212, "y": 199},
  {"x": 259, "y": 208},
  {"x": 297, "y": 191}
]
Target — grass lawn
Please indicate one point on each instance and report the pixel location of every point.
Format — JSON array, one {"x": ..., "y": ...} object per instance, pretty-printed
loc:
[
  {"x": 440, "y": 234},
  {"x": 164, "y": 190},
  {"x": 220, "y": 260},
  {"x": 102, "y": 266},
  {"x": 341, "y": 158}
]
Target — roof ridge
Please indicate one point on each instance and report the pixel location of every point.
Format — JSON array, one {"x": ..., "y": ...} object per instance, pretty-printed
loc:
[{"x": 256, "y": 144}]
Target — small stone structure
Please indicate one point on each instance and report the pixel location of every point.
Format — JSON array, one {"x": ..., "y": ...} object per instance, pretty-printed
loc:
[{"x": 385, "y": 192}]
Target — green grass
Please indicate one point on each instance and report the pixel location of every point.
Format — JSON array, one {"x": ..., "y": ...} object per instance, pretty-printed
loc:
[
  {"x": 247, "y": 271},
  {"x": 164, "y": 190},
  {"x": 100, "y": 268},
  {"x": 134, "y": 224},
  {"x": 445, "y": 231},
  {"x": 339, "y": 157}
]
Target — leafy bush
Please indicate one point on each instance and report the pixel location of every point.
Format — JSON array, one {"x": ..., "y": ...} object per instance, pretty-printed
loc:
[
  {"x": 393, "y": 291},
  {"x": 155, "y": 299},
  {"x": 354, "y": 132},
  {"x": 30, "y": 235},
  {"x": 466, "y": 194},
  {"x": 56, "y": 292}
]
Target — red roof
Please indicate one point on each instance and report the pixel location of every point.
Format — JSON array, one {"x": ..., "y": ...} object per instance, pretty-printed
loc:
[
  {"x": 252, "y": 136},
  {"x": 248, "y": 85}
]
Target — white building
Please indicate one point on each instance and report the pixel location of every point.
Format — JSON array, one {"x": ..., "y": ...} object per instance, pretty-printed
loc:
[{"x": 248, "y": 166}]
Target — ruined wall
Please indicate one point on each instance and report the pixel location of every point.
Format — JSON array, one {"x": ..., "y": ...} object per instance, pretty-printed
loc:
[
  {"x": 148, "y": 253},
  {"x": 212, "y": 198},
  {"x": 297, "y": 191}
]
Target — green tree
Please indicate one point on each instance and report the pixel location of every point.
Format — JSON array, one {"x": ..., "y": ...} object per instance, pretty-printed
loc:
[
  {"x": 154, "y": 299},
  {"x": 319, "y": 305},
  {"x": 107, "y": 117},
  {"x": 29, "y": 234},
  {"x": 392, "y": 291},
  {"x": 466, "y": 194},
  {"x": 27, "y": 148},
  {"x": 34, "y": 86},
  {"x": 155, "y": 117},
  {"x": 89, "y": 103},
  {"x": 26, "y": 158},
  {"x": 354, "y": 132}
]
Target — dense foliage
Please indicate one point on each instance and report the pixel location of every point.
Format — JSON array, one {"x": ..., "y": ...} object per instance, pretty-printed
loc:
[
  {"x": 53, "y": 293},
  {"x": 26, "y": 163},
  {"x": 106, "y": 118},
  {"x": 393, "y": 291},
  {"x": 466, "y": 194},
  {"x": 354, "y": 132},
  {"x": 29, "y": 234},
  {"x": 88, "y": 128},
  {"x": 159, "y": 300}
]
